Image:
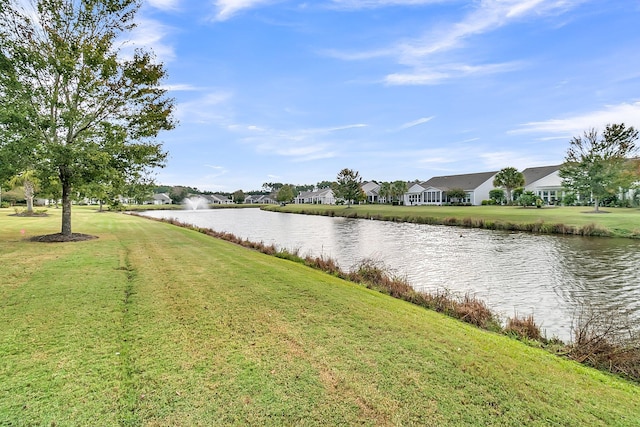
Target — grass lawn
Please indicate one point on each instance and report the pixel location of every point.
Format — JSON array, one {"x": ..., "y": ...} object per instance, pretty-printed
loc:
[
  {"x": 156, "y": 325},
  {"x": 621, "y": 222}
]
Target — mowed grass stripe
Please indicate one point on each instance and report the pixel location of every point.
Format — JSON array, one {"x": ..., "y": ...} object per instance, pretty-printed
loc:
[{"x": 156, "y": 325}]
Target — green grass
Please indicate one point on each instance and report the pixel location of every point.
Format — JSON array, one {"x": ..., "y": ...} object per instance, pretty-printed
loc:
[
  {"x": 152, "y": 324},
  {"x": 620, "y": 222}
]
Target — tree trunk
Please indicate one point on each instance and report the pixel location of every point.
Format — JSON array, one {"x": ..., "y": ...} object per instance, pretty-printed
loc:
[
  {"x": 66, "y": 208},
  {"x": 28, "y": 194},
  {"x": 595, "y": 205}
]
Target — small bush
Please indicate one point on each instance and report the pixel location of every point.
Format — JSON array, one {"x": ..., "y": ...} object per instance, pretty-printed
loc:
[
  {"x": 607, "y": 340},
  {"x": 523, "y": 327}
]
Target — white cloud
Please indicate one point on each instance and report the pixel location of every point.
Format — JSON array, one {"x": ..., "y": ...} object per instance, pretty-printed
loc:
[
  {"x": 501, "y": 159},
  {"x": 416, "y": 122},
  {"x": 425, "y": 56},
  {"x": 297, "y": 144},
  {"x": 149, "y": 34},
  {"x": 227, "y": 8},
  {"x": 439, "y": 73},
  {"x": 576, "y": 125},
  {"x": 205, "y": 109},
  {"x": 364, "y": 4},
  {"x": 181, "y": 87},
  {"x": 164, "y": 4},
  {"x": 489, "y": 16},
  {"x": 219, "y": 171}
]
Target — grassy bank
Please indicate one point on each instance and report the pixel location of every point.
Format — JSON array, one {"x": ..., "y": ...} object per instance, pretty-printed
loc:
[
  {"x": 616, "y": 222},
  {"x": 152, "y": 324}
]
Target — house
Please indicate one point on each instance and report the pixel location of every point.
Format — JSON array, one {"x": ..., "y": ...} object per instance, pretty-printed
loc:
[
  {"x": 259, "y": 199},
  {"x": 323, "y": 196},
  {"x": 433, "y": 191},
  {"x": 218, "y": 199},
  {"x": 545, "y": 182},
  {"x": 159, "y": 199},
  {"x": 372, "y": 190}
]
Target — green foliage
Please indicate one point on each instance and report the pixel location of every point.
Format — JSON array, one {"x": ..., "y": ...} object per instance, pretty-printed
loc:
[
  {"x": 509, "y": 178},
  {"x": 386, "y": 191},
  {"x": 178, "y": 194},
  {"x": 347, "y": 186},
  {"x": 238, "y": 196},
  {"x": 325, "y": 184},
  {"x": 596, "y": 166},
  {"x": 71, "y": 107},
  {"x": 456, "y": 195},
  {"x": 398, "y": 188},
  {"x": 497, "y": 195},
  {"x": 528, "y": 198},
  {"x": 286, "y": 193}
]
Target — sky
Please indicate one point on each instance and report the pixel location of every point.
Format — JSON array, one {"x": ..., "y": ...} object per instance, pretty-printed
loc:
[{"x": 295, "y": 91}]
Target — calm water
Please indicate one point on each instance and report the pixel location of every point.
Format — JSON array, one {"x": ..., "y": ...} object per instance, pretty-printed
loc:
[{"x": 547, "y": 276}]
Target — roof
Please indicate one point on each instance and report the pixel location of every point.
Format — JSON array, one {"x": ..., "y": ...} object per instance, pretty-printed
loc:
[
  {"x": 532, "y": 175},
  {"x": 371, "y": 187},
  {"x": 322, "y": 192},
  {"x": 161, "y": 196},
  {"x": 218, "y": 197},
  {"x": 467, "y": 182}
]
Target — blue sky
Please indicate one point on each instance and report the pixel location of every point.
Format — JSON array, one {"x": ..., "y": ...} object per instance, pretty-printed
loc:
[{"x": 294, "y": 91}]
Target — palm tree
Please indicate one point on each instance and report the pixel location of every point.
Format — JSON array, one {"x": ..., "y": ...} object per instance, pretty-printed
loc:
[
  {"x": 509, "y": 178},
  {"x": 385, "y": 191},
  {"x": 28, "y": 181},
  {"x": 398, "y": 188}
]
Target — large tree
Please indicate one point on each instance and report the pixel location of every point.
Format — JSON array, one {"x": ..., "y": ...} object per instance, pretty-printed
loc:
[
  {"x": 348, "y": 186},
  {"x": 286, "y": 193},
  {"x": 595, "y": 164},
  {"x": 71, "y": 102},
  {"x": 509, "y": 178}
]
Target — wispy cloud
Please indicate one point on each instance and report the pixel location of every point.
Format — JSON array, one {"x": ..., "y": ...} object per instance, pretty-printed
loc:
[
  {"x": 366, "y": 4},
  {"x": 205, "y": 109},
  {"x": 150, "y": 34},
  {"x": 488, "y": 16},
  {"x": 225, "y": 9},
  {"x": 167, "y": 5},
  {"x": 437, "y": 74},
  {"x": 497, "y": 160},
  {"x": 299, "y": 145},
  {"x": 219, "y": 171},
  {"x": 416, "y": 122},
  {"x": 427, "y": 56},
  {"x": 181, "y": 87},
  {"x": 628, "y": 113}
]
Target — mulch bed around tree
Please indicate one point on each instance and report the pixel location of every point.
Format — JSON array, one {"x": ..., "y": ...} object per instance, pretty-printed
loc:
[
  {"x": 28, "y": 215},
  {"x": 60, "y": 238}
]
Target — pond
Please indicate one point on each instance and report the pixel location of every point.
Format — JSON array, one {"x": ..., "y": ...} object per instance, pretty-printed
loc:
[{"x": 548, "y": 276}]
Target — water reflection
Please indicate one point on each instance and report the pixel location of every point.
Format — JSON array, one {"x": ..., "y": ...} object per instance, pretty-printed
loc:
[{"x": 547, "y": 276}]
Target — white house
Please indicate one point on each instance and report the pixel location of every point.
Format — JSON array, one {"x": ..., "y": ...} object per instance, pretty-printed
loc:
[
  {"x": 545, "y": 182},
  {"x": 160, "y": 199},
  {"x": 433, "y": 191},
  {"x": 372, "y": 190},
  {"x": 259, "y": 199},
  {"x": 218, "y": 199},
  {"x": 323, "y": 196}
]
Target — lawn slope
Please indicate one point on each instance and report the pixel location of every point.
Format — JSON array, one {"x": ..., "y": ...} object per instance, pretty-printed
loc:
[{"x": 152, "y": 324}]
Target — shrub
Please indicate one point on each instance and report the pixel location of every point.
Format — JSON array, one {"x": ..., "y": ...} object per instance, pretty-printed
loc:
[
  {"x": 607, "y": 340},
  {"x": 523, "y": 327}
]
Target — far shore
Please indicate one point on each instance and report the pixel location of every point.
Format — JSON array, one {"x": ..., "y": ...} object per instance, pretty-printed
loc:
[{"x": 566, "y": 220}]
